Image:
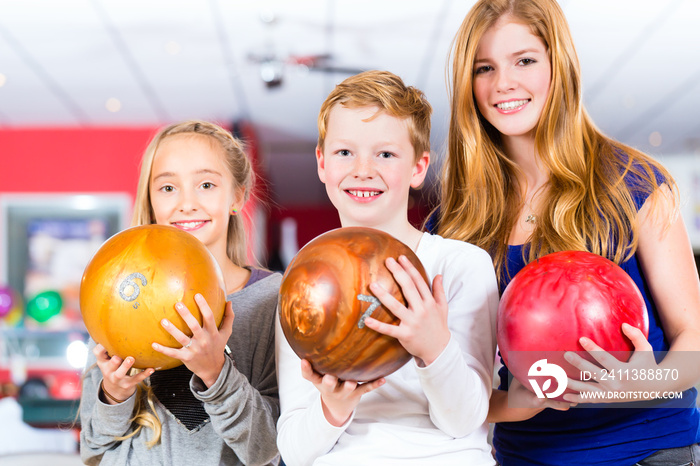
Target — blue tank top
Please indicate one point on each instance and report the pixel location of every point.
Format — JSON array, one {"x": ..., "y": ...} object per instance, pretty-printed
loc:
[{"x": 605, "y": 435}]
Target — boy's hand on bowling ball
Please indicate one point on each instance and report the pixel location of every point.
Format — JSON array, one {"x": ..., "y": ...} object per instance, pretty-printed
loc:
[
  {"x": 615, "y": 374},
  {"x": 338, "y": 397},
  {"x": 115, "y": 373},
  {"x": 423, "y": 330},
  {"x": 203, "y": 353}
]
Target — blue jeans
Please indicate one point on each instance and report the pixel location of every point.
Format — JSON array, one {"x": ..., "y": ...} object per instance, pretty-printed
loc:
[{"x": 684, "y": 456}]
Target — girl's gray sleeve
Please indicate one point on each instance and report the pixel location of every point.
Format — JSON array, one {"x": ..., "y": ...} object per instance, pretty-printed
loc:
[
  {"x": 241, "y": 414},
  {"x": 243, "y": 403},
  {"x": 100, "y": 422}
]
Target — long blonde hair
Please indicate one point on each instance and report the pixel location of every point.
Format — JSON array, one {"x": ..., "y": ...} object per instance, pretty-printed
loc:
[
  {"x": 243, "y": 175},
  {"x": 141, "y": 416},
  {"x": 587, "y": 204}
]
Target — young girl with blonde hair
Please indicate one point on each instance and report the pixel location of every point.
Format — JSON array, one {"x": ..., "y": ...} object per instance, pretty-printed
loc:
[
  {"x": 219, "y": 407},
  {"x": 527, "y": 174}
]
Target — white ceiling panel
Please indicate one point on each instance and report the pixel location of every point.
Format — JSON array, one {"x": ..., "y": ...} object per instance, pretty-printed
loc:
[{"x": 160, "y": 61}]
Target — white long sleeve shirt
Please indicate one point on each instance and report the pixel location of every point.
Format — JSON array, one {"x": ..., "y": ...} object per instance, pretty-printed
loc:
[{"x": 421, "y": 415}]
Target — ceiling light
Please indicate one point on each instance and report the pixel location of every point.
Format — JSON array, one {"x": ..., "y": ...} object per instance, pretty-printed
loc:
[
  {"x": 655, "y": 139},
  {"x": 628, "y": 101},
  {"x": 267, "y": 16},
  {"x": 113, "y": 105},
  {"x": 3, "y": 79},
  {"x": 172, "y": 47},
  {"x": 271, "y": 73}
]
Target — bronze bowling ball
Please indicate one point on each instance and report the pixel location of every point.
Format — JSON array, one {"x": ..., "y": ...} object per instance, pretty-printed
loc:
[
  {"x": 325, "y": 296},
  {"x": 134, "y": 280}
]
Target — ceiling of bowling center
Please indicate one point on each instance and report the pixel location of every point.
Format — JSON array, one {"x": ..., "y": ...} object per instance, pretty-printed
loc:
[{"x": 84, "y": 63}]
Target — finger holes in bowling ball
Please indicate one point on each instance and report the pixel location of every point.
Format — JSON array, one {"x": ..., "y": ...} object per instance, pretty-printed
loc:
[
  {"x": 134, "y": 281},
  {"x": 325, "y": 293}
]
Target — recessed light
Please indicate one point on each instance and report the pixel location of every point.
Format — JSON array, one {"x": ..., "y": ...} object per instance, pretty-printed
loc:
[
  {"x": 655, "y": 139},
  {"x": 113, "y": 105},
  {"x": 628, "y": 101},
  {"x": 3, "y": 79},
  {"x": 267, "y": 16},
  {"x": 172, "y": 47}
]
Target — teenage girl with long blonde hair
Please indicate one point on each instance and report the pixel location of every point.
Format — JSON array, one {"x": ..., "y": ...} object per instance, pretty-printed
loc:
[{"x": 527, "y": 174}]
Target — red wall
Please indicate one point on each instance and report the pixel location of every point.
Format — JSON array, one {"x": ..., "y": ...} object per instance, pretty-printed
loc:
[{"x": 71, "y": 160}]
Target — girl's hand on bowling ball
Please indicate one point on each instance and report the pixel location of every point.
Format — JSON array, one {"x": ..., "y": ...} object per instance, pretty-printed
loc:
[
  {"x": 423, "y": 329},
  {"x": 612, "y": 375},
  {"x": 519, "y": 396},
  {"x": 338, "y": 397},
  {"x": 115, "y": 375},
  {"x": 203, "y": 353}
]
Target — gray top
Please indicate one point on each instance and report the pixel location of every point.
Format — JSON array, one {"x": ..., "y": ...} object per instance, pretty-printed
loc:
[{"x": 242, "y": 407}]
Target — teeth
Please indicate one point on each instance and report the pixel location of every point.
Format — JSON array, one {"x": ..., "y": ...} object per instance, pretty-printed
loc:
[
  {"x": 512, "y": 104},
  {"x": 189, "y": 224},
  {"x": 364, "y": 193}
]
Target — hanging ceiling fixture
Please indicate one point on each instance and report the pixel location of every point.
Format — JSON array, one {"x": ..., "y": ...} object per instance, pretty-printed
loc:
[{"x": 272, "y": 65}]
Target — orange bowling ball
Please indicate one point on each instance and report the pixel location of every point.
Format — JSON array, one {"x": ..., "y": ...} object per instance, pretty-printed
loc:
[
  {"x": 134, "y": 280},
  {"x": 325, "y": 297}
]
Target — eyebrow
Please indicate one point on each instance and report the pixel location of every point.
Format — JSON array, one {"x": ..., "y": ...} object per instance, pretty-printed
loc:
[
  {"x": 512, "y": 55},
  {"x": 524, "y": 51},
  {"x": 203, "y": 171}
]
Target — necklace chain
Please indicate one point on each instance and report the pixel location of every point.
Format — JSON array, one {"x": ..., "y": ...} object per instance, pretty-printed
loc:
[{"x": 531, "y": 218}]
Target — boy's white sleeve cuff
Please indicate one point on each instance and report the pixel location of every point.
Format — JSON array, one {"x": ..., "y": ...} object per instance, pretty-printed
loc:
[
  {"x": 444, "y": 361},
  {"x": 318, "y": 418}
]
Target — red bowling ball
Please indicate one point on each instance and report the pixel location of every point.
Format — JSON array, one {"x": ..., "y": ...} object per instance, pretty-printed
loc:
[{"x": 559, "y": 298}]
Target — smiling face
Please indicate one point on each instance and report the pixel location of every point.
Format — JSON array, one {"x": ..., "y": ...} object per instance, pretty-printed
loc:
[
  {"x": 512, "y": 73},
  {"x": 368, "y": 165},
  {"x": 191, "y": 189}
]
